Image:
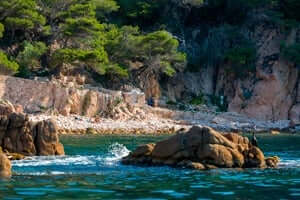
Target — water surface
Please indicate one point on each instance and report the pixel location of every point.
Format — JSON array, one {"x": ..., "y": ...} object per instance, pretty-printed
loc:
[{"x": 91, "y": 170}]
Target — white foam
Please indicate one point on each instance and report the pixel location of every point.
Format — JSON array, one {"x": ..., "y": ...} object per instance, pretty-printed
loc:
[
  {"x": 289, "y": 163},
  {"x": 115, "y": 152}
]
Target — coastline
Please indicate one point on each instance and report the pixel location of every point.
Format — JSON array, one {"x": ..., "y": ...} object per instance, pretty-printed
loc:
[{"x": 157, "y": 124}]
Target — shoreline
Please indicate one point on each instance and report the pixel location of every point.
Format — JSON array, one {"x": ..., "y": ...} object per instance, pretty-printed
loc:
[
  {"x": 81, "y": 125},
  {"x": 153, "y": 125}
]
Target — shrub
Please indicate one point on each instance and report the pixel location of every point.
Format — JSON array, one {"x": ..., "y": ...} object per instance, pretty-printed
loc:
[
  {"x": 198, "y": 100},
  {"x": 7, "y": 67},
  {"x": 241, "y": 60}
]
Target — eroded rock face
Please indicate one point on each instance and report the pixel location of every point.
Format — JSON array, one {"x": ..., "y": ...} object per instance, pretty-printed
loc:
[
  {"x": 270, "y": 94},
  {"x": 46, "y": 96},
  {"x": 202, "y": 148},
  {"x": 19, "y": 135}
]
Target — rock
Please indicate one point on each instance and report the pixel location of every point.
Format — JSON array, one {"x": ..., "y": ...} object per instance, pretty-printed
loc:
[
  {"x": 275, "y": 132},
  {"x": 295, "y": 113},
  {"x": 195, "y": 165},
  {"x": 47, "y": 140},
  {"x": 201, "y": 148},
  {"x": 5, "y": 166},
  {"x": 271, "y": 91},
  {"x": 63, "y": 96},
  {"x": 20, "y": 136},
  {"x": 272, "y": 161},
  {"x": 167, "y": 148},
  {"x": 143, "y": 150},
  {"x": 15, "y": 156},
  {"x": 17, "y": 136},
  {"x": 255, "y": 158},
  {"x": 6, "y": 107}
]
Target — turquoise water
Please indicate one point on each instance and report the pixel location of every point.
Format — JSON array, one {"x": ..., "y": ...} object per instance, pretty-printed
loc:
[{"x": 91, "y": 170}]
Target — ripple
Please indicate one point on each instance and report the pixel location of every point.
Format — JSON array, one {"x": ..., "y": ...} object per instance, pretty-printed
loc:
[{"x": 225, "y": 193}]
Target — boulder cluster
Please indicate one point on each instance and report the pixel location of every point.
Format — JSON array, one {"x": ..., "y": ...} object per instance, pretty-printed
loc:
[
  {"x": 202, "y": 148},
  {"x": 20, "y": 137}
]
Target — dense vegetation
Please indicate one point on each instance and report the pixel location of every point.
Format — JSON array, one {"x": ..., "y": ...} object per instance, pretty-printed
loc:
[
  {"x": 115, "y": 37},
  {"x": 43, "y": 35}
]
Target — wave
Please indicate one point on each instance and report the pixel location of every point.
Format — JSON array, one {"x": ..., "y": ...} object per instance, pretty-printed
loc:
[{"x": 40, "y": 165}]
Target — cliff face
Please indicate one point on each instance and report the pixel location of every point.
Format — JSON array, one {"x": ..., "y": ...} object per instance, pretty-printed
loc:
[
  {"x": 274, "y": 86},
  {"x": 271, "y": 93},
  {"x": 37, "y": 96}
]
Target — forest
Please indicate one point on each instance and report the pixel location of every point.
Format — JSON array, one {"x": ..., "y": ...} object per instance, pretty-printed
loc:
[{"x": 114, "y": 38}]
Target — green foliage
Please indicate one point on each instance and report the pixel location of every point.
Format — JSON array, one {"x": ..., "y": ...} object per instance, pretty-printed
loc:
[
  {"x": 157, "y": 52},
  {"x": 29, "y": 58},
  {"x": 171, "y": 103},
  {"x": 241, "y": 60},
  {"x": 198, "y": 100},
  {"x": 292, "y": 53},
  {"x": 7, "y": 67},
  {"x": 1, "y": 30},
  {"x": 80, "y": 21},
  {"x": 21, "y": 15},
  {"x": 140, "y": 12},
  {"x": 104, "y": 7},
  {"x": 96, "y": 59},
  {"x": 31, "y": 54}
]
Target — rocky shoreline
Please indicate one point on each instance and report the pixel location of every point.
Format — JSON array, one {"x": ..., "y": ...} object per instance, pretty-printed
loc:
[
  {"x": 157, "y": 124},
  {"x": 75, "y": 124},
  {"x": 80, "y": 109}
]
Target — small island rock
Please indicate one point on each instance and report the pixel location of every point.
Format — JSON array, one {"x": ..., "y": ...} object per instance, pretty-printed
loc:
[{"x": 201, "y": 148}]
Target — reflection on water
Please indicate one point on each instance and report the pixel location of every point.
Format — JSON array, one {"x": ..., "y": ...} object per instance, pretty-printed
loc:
[{"x": 92, "y": 171}]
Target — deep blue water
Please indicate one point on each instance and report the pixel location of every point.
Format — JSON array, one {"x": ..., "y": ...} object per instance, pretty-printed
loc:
[{"x": 91, "y": 170}]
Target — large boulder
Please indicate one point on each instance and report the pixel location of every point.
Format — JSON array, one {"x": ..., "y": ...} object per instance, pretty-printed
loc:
[
  {"x": 19, "y": 135},
  {"x": 47, "y": 142},
  {"x": 201, "y": 148}
]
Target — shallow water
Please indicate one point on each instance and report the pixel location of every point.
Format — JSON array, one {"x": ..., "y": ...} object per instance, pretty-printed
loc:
[{"x": 91, "y": 170}]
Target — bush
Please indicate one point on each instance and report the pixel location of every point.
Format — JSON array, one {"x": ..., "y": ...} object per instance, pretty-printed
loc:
[
  {"x": 241, "y": 60},
  {"x": 7, "y": 67},
  {"x": 198, "y": 100}
]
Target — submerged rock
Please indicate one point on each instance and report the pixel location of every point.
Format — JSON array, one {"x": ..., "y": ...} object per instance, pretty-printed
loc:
[{"x": 202, "y": 148}]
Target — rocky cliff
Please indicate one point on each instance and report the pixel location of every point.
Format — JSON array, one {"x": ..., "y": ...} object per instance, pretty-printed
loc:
[
  {"x": 47, "y": 96},
  {"x": 271, "y": 92}
]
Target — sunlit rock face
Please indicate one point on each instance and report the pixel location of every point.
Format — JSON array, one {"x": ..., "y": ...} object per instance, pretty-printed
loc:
[
  {"x": 50, "y": 96},
  {"x": 19, "y": 135},
  {"x": 202, "y": 148}
]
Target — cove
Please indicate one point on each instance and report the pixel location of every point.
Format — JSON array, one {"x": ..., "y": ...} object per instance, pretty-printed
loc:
[{"x": 91, "y": 169}]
